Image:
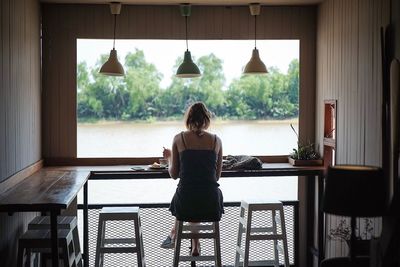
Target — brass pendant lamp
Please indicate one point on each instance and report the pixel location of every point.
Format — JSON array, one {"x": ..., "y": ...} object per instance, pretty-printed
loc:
[
  {"x": 187, "y": 69},
  {"x": 112, "y": 67},
  {"x": 255, "y": 65}
]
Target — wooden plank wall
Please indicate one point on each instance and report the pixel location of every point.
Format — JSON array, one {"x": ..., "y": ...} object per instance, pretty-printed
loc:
[
  {"x": 349, "y": 70},
  {"x": 20, "y": 86},
  {"x": 20, "y": 118},
  {"x": 63, "y": 24}
]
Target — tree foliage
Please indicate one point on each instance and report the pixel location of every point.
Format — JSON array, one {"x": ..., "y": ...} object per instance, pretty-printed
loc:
[{"x": 139, "y": 96}]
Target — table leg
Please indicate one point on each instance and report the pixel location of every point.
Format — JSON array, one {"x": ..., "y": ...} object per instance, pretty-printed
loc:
[
  {"x": 54, "y": 237},
  {"x": 85, "y": 226}
]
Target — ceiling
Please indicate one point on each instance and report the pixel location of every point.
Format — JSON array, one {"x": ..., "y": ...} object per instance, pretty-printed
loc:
[{"x": 194, "y": 2}]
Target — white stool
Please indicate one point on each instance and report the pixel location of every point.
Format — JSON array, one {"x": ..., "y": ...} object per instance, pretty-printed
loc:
[
  {"x": 205, "y": 230},
  {"x": 39, "y": 241},
  {"x": 261, "y": 233},
  {"x": 109, "y": 245},
  {"x": 63, "y": 222}
]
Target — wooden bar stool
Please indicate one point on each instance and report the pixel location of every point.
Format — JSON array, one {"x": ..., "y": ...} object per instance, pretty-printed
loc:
[
  {"x": 261, "y": 233},
  {"x": 119, "y": 245},
  {"x": 63, "y": 222},
  {"x": 204, "y": 230},
  {"x": 39, "y": 241}
]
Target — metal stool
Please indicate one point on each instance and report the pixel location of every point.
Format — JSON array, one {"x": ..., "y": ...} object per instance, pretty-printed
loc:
[
  {"x": 111, "y": 245},
  {"x": 205, "y": 230},
  {"x": 39, "y": 241},
  {"x": 261, "y": 233},
  {"x": 63, "y": 222}
]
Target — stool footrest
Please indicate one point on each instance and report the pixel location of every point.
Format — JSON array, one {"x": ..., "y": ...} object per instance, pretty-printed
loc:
[
  {"x": 198, "y": 235},
  {"x": 262, "y": 230},
  {"x": 266, "y": 237},
  {"x": 197, "y": 258},
  {"x": 120, "y": 241},
  {"x": 118, "y": 249},
  {"x": 200, "y": 227},
  {"x": 260, "y": 263}
]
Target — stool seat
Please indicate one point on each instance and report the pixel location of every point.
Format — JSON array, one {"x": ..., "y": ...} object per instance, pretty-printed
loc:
[
  {"x": 43, "y": 222},
  {"x": 119, "y": 210},
  {"x": 261, "y": 204},
  {"x": 119, "y": 213},
  {"x": 264, "y": 232},
  {"x": 123, "y": 244},
  {"x": 39, "y": 241},
  {"x": 203, "y": 230}
]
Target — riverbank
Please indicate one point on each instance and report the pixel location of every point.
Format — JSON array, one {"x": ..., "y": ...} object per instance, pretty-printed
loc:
[{"x": 177, "y": 122}]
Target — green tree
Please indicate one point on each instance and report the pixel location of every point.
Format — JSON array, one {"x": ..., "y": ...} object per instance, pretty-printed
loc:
[
  {"x": 261, "y": 97},
  {"x": 293, "y": 81},
  {"x": 100, "y": 96},
  {"x": 138, "y": 95},
  {"x": 207, "y": 88},
  {"x": 142, "y": 81}
]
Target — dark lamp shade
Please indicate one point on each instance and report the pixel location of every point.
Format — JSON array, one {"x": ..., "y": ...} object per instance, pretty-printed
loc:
[
  {"x": 255, "y": 65},
  {"x": 188, "y": 69},
  {"x": 353, "y": 190},
  {"x": 112, "y": 67}
]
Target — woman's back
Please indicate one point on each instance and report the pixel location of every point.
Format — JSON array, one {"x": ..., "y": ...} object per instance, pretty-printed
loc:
[
  {"x": 198, "y": 196},
  {"x": 198, "y": 160}
]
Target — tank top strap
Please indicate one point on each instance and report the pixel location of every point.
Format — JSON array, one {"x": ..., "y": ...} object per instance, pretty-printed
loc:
[
  {"x": 215, "y": 141},
  {"x": 183, "y": 140}
]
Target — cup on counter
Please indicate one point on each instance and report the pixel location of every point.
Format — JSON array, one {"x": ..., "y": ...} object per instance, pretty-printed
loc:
[{"x": 163, "y": 162}]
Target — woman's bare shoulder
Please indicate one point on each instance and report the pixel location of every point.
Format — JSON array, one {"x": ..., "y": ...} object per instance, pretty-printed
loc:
[{"x": 178, "y": 136}]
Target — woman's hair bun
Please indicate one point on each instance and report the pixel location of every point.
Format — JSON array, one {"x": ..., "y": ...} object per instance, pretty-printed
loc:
[{"x": 197, "y": 117}]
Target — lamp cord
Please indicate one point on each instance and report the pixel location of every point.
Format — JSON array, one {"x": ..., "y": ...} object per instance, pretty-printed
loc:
[
  {"x": 115, "y": 26},
  {"x": 186, "y": 28},
  {"x": 255, "y": 31}
]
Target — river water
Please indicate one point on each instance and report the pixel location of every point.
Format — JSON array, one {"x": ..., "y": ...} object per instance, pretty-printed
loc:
[{"x": 130, "y": 139}]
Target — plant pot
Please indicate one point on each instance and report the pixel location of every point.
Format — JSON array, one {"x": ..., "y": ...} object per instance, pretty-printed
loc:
[
  {"x": 362, "y": 247},
  {"x": 305, "y": 162}
]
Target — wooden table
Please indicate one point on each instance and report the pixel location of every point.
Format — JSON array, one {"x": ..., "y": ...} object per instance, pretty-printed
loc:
[{"x": 46, "y": 191}]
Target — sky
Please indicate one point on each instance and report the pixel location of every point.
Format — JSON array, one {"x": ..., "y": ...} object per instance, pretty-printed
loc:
[{"x": 163, "y": 53}]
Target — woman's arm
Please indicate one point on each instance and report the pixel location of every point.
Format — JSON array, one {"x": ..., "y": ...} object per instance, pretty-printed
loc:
[
  {"x": 174, "y": 167},
  {"x": 219, "y": 160}
]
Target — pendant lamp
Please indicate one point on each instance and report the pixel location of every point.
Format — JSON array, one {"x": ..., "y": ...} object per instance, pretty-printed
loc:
[
  {"x": 255, "y": 65},
  {"x": 188, "y": 69},
  {"x": 112, "y": 67}
]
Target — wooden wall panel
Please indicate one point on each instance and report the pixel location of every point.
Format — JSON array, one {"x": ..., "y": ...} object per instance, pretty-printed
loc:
[
  {"x": 20, "y": 86},
  {"x": 349, "y": 70},
  {"x": 20, "y": 118}
]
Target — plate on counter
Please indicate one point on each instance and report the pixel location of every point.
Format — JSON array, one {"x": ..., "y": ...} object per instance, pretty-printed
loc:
[{"x": 157, "y": 166}]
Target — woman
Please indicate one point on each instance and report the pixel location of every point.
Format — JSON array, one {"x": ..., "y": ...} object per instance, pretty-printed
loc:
[{"x": 196, "y": 158}]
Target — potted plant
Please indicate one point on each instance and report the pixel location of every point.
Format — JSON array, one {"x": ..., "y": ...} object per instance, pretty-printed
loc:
[{"x": 305, "y": 154}]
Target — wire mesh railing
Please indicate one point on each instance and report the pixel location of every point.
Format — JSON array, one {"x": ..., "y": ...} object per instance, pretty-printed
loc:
[{"x": 156, "y": 225}]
